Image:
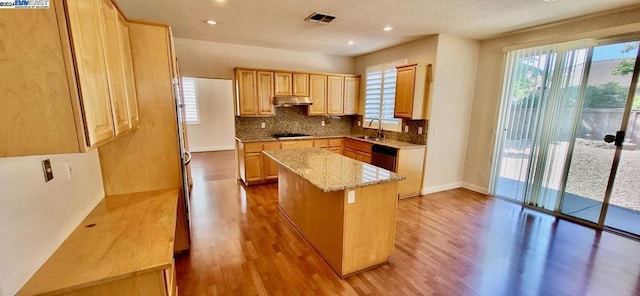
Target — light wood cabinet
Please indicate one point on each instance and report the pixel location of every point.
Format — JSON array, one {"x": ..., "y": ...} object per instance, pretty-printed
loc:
[
  {"x": 335, "y": 95},
  {"x": 412, "y": 92},
  {"x": 253, "y": 169},
  {"x": 73, "y": 90},
  {"x": 129, "y": 77},
  {"x": 410, "y": 163},
  {"x": 265, "y": 93},
  {"x": 270, "y": 166},
  {"x": 282, "y": 84},
  {"x": 318, "y": 94},
  {"x": 253, "y": 92},
  {"x": 357, "y": 150},
  {"x": 300, "y": 85},
  {"x": 297, "y": 144},
  {"x": 351, "y": 91}
]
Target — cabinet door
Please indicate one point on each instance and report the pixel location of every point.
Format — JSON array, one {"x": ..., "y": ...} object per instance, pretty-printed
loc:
[
  {"x": 115, "y": 69},
  {"x": 282, "y": 84},
  {"x": 318, "y": 94},
  {"x": 300, "y": 85},
  {"x": 351, "y": 90},
  {"x": 363, "y": 156},
  {"x": 84, "y": 24},
  {"x": 253, "y": 166},
  {"x": 270, "y": 166},
  {"x": 324, "y": 143},
  {"x": 247, "y": 97},
  {"x": 127, "y": 65},
  {"x": 405, "y": 86},
  {"x": 349, "y": 153},
  {"x": 265, "y": 93},
  {"x": 336, "y": 149},
  {"x": 335, "y": 93}
]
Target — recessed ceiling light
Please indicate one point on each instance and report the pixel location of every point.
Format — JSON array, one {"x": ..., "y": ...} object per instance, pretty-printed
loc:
[
  {"x": 387, "y": 28},
  {"x": 210, "y": 22},
  {"x": 350, "y": 42}
]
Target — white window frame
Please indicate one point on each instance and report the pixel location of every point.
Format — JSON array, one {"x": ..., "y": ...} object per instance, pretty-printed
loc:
[
  {"x": 388, "y": 123},
  {"x": 189, "y": 101}
]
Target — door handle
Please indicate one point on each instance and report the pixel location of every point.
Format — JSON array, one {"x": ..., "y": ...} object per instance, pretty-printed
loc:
[{"x": 618, "y": 138}]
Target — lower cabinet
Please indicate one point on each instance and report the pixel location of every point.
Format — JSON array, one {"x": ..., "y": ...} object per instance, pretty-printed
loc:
[
  {"x": 270, "y": 166},
  {"x": 357, "y": 150}
]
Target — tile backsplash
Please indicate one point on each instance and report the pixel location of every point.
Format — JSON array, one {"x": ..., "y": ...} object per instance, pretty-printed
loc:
[
  {"x": 295, "y": 120},
  {"x": 292, "y": 120},
  {"x": 411, "y": 136}
]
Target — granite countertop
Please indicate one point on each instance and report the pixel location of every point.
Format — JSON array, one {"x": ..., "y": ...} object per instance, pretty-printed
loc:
[
  {"x": 385, "y": 142},
  {"x": 331, "y": 171}
]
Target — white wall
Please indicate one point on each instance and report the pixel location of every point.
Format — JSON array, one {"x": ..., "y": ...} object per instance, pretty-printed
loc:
[
  {"x": 486, "y": 97},
  {"x": 36, "y": 217},
  {"x": 454, "y": 78},
  {"x": 217, "y": 60},
  {"x": 454, "y": 67},
  {"x": 216, "y": 128}
]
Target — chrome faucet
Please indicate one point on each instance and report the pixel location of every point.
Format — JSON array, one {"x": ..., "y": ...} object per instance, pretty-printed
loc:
[{"x": 380, "y": 134}]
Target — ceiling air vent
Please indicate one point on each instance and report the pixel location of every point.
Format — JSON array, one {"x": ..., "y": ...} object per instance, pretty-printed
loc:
[{"x": 322, "y": 18}]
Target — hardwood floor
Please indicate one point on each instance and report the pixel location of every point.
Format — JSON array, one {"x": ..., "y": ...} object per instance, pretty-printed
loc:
[{"x": 455, "y": 242}]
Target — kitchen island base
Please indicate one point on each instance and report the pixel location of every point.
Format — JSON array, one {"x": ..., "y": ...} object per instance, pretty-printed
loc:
[{"x": 352, "y": 229}]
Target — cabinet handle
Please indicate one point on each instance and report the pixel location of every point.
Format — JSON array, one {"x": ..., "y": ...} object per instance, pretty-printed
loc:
[{"x": 188, "y": 157}]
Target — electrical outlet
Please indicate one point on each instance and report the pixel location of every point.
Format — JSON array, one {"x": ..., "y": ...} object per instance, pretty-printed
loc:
[
  {"x": 323, "y": 123},
  {"x": 406, "y": 128},
  {"x": 263, "y": 125},
  {"x": 419, "y": 130},
  {"x": 359, "y": 123},
  {"x": 46, "y": 169},
  {"x": 69, "y": 167},
  {"x": 351, "y": 196}
]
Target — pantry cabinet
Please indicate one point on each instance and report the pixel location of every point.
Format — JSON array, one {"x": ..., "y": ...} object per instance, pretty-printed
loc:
[
  {"x": 65, "y": 78},
  {"x": 412, "y": 92}
]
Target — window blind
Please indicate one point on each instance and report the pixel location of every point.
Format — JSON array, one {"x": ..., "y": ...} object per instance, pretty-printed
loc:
[
  {"x": 380, "y": 94},
  {"x": 190, "y": 100}
]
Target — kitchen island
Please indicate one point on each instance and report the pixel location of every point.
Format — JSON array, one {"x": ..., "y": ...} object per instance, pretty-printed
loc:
[{"x": 344, "y": 208}]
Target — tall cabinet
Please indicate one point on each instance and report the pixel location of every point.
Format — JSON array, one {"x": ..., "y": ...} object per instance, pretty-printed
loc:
[{"x": 152, "y": 157}]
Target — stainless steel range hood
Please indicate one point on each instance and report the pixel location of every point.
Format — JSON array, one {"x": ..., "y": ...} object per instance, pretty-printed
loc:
[{"x": 291, "y": 101}]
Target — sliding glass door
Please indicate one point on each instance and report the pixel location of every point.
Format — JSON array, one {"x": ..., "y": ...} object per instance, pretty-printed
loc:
[{"x": 559, "y": 102}]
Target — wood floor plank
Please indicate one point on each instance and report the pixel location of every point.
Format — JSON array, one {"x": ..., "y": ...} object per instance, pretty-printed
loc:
[{"x": 455, "y": 242}]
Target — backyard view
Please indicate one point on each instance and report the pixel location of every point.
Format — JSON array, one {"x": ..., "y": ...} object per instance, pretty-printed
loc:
[{"x": 545, "y": 119}]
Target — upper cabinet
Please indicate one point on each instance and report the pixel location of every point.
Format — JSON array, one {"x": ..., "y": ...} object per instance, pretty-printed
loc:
[
  {"x": 331, "y": 94},
  {"x": 300, "y": 84},
  {"x": 412, "y": 92},
  {"x": 253, "y": 92},
  {"x": 75, "y": 91},
  {"x": 282, "y": 84},
  {"x": 318, "y": 94},
  {"x": 335, "y": 95},
  {"x": 351, "y": 90}
]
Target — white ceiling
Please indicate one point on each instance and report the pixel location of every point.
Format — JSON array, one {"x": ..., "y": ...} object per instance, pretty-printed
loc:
[{"x": 280, "y": 23}]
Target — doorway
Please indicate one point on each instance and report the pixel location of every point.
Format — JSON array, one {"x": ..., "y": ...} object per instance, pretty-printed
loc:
[{"x": 559, "y": 103}]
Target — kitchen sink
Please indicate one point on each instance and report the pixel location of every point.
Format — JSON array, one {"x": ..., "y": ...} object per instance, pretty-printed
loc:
[{"x": 369, "y": 138}]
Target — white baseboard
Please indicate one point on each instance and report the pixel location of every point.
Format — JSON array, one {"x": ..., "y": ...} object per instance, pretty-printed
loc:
[
  {"x": 475, "y": 188},
  {"x": 439, "y": 188},
  {"x": 213, "y": 148}
]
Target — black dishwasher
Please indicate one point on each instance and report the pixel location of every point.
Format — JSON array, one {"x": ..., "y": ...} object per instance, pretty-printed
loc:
[{"x": 384, "y": 157}]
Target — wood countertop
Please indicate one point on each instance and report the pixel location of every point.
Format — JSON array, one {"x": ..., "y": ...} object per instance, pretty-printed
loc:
[
  {"x": 331, "y": 171},
  {"x": 131, "y": 234}
]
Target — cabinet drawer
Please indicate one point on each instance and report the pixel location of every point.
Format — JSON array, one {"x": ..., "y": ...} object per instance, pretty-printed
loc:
[
  {"x": 297, "y": 144},
  {"x": 358, "y": 145},
  {"x": 252, "y": 147},
  {"x": 321, "y": 143},
  {"x": 272, "y": 146},
  {"x": 336, "y": 142}
]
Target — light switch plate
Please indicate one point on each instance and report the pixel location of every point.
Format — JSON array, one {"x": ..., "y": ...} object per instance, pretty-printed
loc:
[
  {"x": 263, "y": 125},
  {"x": 351, "y": 196},
  {"x": 359, "y": 123},
  {"x": 323, "y": 123},
  {"x": 406, "y": 128},
  {"x": 420, "y": 130},
  {"x": 46, "y": 169}
]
